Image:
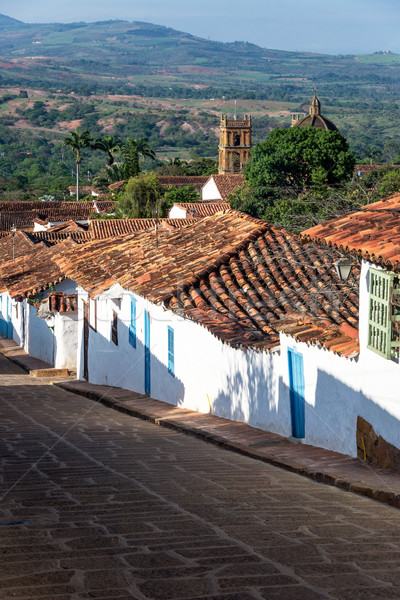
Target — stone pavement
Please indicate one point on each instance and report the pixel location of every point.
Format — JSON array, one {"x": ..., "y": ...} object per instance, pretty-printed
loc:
[
  {"x": 325, "y": 466},
  {"x": 332, "y": 468},
  {"x": 34, "y": 366},
  {"x": 98, "y": 504}
]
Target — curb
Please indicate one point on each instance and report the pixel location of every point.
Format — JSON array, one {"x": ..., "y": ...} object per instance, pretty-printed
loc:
[{"x": 383, "y": 495}]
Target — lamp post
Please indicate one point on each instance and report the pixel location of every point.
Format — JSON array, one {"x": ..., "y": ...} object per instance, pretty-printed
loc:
[{"x": 343, "y": 268}]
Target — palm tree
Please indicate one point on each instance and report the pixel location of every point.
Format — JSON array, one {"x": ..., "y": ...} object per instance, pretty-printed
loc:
[
  {"x": 131, "y": 151},
  {"x": 112, "y": 174},
  {"x": 109, "y": 144},
  {"x": 77, "y": 141}
]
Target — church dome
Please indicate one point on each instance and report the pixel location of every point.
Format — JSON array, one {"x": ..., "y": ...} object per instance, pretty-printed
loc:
[{"x": 314, "y": 118}]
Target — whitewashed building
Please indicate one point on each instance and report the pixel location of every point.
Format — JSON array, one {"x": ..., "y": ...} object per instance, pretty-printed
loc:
[
  {"x": 226, "y": 316},
  {"x": 38, "y": 306}
]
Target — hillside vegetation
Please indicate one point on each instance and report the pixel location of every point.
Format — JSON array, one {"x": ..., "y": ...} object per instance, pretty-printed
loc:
[{"x": 143, "y": 80}]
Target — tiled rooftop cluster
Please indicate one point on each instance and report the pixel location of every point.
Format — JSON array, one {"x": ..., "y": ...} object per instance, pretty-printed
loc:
[
  {"x": 100, "y": 229},
  {"x": 23, "y": 214},
  {"x": 372, "y": 233},
  {"x": 71, "y": 207},
  {"x": 239, "y": 277},
  {"x": 19, "y": 245},
  {"x": 33, "y": 272},
  {"x": 203, "y": 209}
]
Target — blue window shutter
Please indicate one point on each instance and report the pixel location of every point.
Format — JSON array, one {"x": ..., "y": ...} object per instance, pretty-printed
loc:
[
  {"x": 171, "y": 357},
  {"x": 132, "y": 326}
]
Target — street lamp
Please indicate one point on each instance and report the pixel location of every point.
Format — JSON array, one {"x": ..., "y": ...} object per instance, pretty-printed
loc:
[{"x": 343, "y": 268}]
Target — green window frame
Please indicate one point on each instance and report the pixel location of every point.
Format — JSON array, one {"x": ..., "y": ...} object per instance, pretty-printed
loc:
[{"x": 382, "y": 314}]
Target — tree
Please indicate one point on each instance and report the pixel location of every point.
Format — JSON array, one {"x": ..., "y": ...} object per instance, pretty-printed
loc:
[
  {"x": 77, "y": 141},
  {"x": 112, "y": 174},
  {"x": 373, "y": 153},
  {"x": 131, "y": 151},
  {"x": 300, "y": 157},
  {"x": 109, "y": 144},
  {"x": 390, "y": 183},
  {"x": 184, "y": 193},
  {"x": 142, "y": 197}
]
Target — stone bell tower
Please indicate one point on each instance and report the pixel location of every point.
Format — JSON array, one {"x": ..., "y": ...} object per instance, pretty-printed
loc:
[{"x": 234, "y": 144}]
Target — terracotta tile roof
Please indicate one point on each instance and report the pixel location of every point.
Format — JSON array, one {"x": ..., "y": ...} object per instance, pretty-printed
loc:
[
  {"x": 43, "y": 212},
  {"x": 68, "y": 226},
  {"x": 117, "y": 185},
  {"x": 203, "y": 209},
  {"x": 19, "y": 220},
  {"x": 365, "y": 169},
  {"x": 226, "y": 184},
  {"x": 71, "y": 207},
  {"x": 105, "y": 228},
  {"x": 179, "y": 181},
  {"x": 32, "y": 273},
  {"x": 372, "y": 233},
  {"x": 21, "y": 244},
  {"x": 50, "y": 237},
  {"x": 239, "y": 277}
]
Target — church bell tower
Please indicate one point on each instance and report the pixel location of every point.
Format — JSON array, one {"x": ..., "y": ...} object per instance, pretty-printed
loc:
[{"x": 234, "y": 144}]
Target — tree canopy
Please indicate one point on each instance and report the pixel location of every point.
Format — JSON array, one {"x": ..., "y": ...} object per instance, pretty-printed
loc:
[
  {"x": 300, "y": 157},
  {"x": 143, "y": 198}
]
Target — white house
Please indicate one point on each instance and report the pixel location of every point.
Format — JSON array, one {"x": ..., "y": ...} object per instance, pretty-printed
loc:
[
  {"x": 373, "y": 235},
  {"x": 218, "y": 187},
  {"x": 230, "y": 316},
  {"x": 38, "y": 306}
]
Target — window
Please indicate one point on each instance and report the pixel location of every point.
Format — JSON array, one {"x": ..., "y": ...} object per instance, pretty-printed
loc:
[
  {"x": 132, "y": 326},
  {"x": 171, "y": 357},
  {"x": 384, "y": 314},
  {"x": 114, "y": 328},
  {"x": 237, "y": 140}
]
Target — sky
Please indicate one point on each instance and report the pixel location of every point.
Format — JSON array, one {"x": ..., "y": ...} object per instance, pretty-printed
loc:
[{"x": 335, "y": 27}]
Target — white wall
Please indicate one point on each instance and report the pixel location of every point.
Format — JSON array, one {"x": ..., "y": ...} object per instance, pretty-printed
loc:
[
  {"x": 54, "y": 341},
  {"x": 176, "y": 212},
  {"x": 239, "y": 385},
  {"x": 210, "y": 191},
  {"x": 245, "y": 385}
]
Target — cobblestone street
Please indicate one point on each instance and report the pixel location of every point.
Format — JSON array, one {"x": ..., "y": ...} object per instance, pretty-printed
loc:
[{"x": 97, "y": 504}]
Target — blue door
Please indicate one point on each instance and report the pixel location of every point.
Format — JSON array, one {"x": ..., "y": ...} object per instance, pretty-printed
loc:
[
  {"x": 296, "y": 386},
  {"x": 3, "y": 317},
  {"x": 147, "y": 353}
]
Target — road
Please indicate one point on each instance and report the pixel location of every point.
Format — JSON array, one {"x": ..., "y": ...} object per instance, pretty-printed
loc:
[{"x": 97, "y": 504}]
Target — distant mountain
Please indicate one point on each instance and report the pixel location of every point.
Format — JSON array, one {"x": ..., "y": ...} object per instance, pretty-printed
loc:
[
  {"x": 152, "y": 60},
  {"x": 9, "y": 21}
]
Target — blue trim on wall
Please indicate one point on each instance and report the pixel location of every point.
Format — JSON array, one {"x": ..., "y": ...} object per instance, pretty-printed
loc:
[
  {"x": 132, "y": 326},
  {"x": 171, "y": 352}
]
